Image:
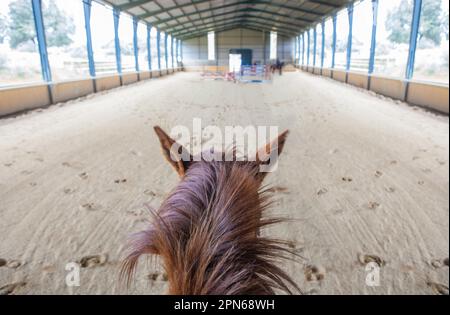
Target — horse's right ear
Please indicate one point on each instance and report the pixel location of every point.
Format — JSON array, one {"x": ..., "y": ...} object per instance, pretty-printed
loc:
[{"x": 174, "y": 153}]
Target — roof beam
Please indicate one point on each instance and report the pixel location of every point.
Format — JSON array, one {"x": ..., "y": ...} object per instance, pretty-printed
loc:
[
  {"x": 207, "y": 27},
  {"x": 199, "y": 34},
  {"x": 256, "y": 28},
  {"x": 244, "y": 17},
  {"x": 259, "y": 25},
  {"x": 133, "y": 4},
  {"x": 177, "y": 28},
  {"x": 262, "y": 27},
  {"x": 246, "y": 2},
  {"x": 246, "y": 10},
  {"x": 130, "y": 5},
  {"x": 332, "y": 5}
]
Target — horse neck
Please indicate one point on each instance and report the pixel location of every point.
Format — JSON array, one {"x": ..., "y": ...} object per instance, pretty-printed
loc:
[{"x": 214, "y": 216}]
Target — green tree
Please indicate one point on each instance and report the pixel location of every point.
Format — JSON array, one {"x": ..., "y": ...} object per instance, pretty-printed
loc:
[
  {"x": 58, "y": 27},
  {"x": 21, "y": 28},
  {"x": 444, "y": 24},
  {"x": 3, "y": 27},
  {"x": 431, "y": 21},
  {"x": 398, "y": 22}
]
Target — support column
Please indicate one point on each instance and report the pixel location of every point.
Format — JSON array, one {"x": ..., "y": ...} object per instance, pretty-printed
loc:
[
  {"x": 181, "y": 50},
  {"x": 265, "y": 47},
  {"x": 322, "y": 53},
  {"x": 413, "y": 39},
  {"x": 295, "y": 51},
  {"x": 333, "y": 44},
  {"x": 307, "y": 53},
  {"x": 135, "y": 44},
  {"x": 149, "y": 47},
  {"x": 303, "y": 49},
  {"x": 171, "y": 52},
  {"x": 42, "y": 43},
  {"x": 158, "y": 49},
  {"x": 350, "y": 37},
  {"x": 315, "y": 45},
  {"x": 87, "y": 5},
  {"x": 166, "y": 55},
  {"x": 177, "y": 54},
  {"x": 373, "y": 42},
  {"x": 116, "y": 14}
]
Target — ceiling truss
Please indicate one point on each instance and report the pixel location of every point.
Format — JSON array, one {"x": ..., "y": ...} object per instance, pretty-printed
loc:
[{"x": 185, "y": 19}]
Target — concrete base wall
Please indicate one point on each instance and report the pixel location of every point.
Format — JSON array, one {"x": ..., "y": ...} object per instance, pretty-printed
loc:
[
  {"x": 18, "y": 99},
  {"x": 65, "y": 91},
  {"x": 21, "y": 98},
  {"x": 429, "y": 95},
  {"x": 389, "y": 87},
  {"x": 129, "y": 78},
  {"x": 107, "y": 83},
  {"x": 358, "y": 79},
  {"x": 326, "y": 72},
  {"x": 145, "y": 75},
  {"x": 340, "y": 75}
]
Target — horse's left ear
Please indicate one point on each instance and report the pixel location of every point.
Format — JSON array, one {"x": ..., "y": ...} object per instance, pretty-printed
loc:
[
  {"x": 267, "y": 156},
  {"x": 174, "y": 152}
]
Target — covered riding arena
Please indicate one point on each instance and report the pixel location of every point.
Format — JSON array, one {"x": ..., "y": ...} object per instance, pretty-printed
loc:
[{"x": 363, "y": 178}]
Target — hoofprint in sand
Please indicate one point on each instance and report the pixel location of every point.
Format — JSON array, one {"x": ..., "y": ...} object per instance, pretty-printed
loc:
[{"x": 364, "y": 179}]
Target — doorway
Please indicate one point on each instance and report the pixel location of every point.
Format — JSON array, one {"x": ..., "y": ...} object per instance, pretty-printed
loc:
[
  {"x": 235, "y": 62},
  {"x": 240, "y": 57}
]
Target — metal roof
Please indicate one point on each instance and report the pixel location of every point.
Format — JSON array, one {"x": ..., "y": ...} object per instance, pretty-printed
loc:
[{"x": 185, "y": 19}]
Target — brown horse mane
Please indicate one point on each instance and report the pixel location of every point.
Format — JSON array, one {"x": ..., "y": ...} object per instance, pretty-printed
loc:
[{"x": 207, "y": 234}]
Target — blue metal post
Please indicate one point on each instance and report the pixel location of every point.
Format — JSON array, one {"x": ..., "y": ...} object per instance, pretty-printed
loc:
[
  {"x": 373, "y": 43},
  {"x": 303, "y": 49},
  {"x": 300, "y": 49},
  {"x": 135, "y": 43},
  {"x": 307, "y": 53},
  {"x": 181, "y": 50},
  {"x": 322, "y": 54},
  {"x": 350, "y": 36},
  {"x": 177, "y": 52},
  {"x": 149, "y": 47},
  {"x": 42, "y": 43},
  {"x": 171, "y": 52},
  {"x": 166, "y": 55},
  {"x": 87, "y": 4},
  {"x": 295, "y": 50},
  {"x": 413, "y": 38},
  {"x": 315, "y": 45},
  {"x": 116, "y": 14},
  {"x": 302, "y": 43},
  {"x": 158, "y": 47},
  {"x": 333, "y": 44}
]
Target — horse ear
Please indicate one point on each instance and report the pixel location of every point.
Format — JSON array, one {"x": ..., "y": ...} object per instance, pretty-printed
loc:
[
  {"x": 174, "y": 153},
  {"x": 267, "y": 156}
]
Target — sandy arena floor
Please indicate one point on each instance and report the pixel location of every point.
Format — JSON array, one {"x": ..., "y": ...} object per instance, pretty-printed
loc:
[{"x": 364, "y": 176}]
